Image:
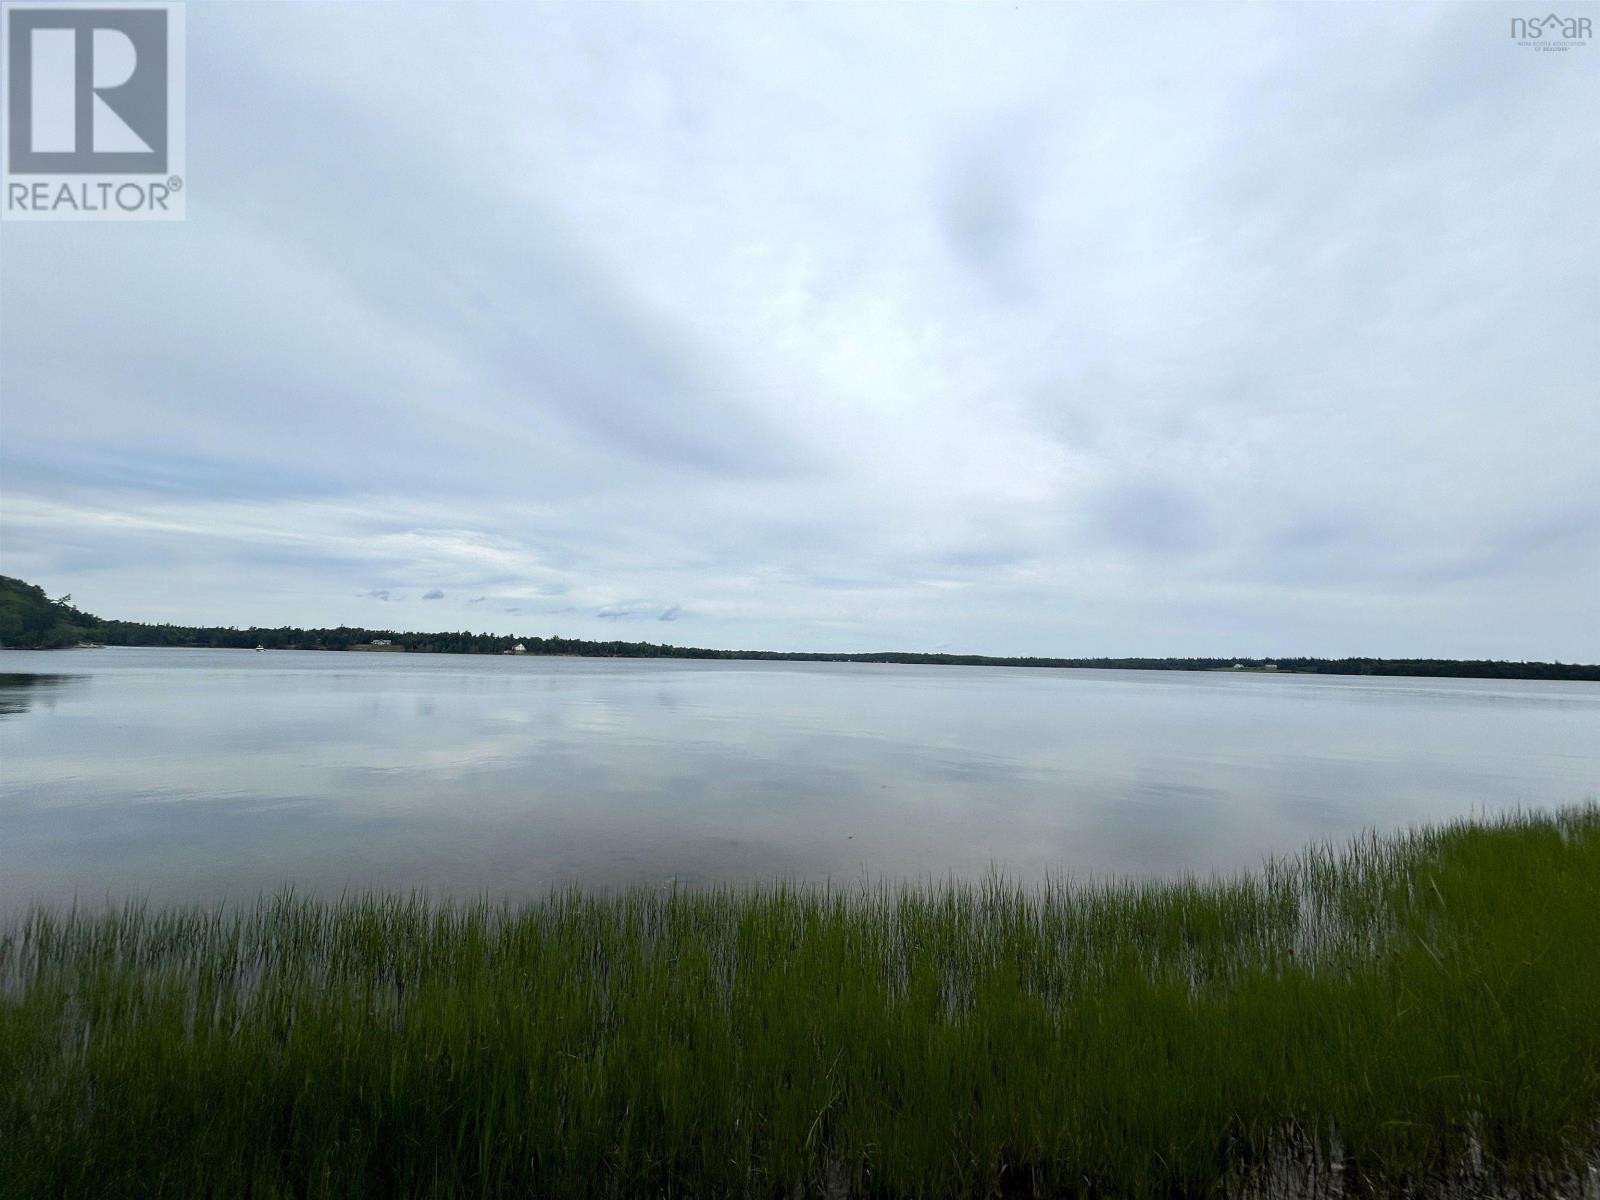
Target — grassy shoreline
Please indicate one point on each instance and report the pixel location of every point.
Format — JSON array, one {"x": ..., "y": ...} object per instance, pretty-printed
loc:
[{"x": 1409, "y": 1012}]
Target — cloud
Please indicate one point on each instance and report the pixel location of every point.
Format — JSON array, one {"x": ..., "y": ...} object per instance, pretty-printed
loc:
[
  {"x": 1059, "y": 345},
  {"x": 1155, "y": 518},
  {"x": 434, "y": 594},
  {"x": 670, "y": 614}
]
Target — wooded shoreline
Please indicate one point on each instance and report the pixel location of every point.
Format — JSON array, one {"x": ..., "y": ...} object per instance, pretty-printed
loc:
[{"x": 30, "y": 620}]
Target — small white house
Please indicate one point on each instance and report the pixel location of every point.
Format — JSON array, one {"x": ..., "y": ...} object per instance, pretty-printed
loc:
[
  {"x": 519, "y": 648},
  {"x": 382, "y": 642}
]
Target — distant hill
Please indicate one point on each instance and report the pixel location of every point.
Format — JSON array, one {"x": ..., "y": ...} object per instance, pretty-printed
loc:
[{"x": 31, "y": 620}]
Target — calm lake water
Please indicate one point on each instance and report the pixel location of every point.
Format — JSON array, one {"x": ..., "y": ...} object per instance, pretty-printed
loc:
[{"x": 215, "y": 774}]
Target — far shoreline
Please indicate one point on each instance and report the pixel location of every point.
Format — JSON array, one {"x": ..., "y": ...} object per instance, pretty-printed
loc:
[
  {"x": 45, "y": 623},
  {"x": 1570, "y": 672}
]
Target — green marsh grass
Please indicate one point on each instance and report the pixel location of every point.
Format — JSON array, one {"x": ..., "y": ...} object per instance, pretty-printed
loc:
[{"x": 1406, "y": 1013}]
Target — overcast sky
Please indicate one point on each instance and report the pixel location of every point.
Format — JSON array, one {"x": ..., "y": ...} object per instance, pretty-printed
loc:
[{"x": 1061, "y": 330}]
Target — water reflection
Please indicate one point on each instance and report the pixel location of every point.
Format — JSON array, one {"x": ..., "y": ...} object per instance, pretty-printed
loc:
[
  {"x": 19, "y": 690},
  {"x": 208, "y": 774}
]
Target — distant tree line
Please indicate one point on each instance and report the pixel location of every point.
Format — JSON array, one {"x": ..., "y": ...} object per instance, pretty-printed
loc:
[{"x": 31, "y": 620}]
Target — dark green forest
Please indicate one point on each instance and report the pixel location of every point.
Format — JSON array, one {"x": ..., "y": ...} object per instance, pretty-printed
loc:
[{"x": 30, "y": 620}]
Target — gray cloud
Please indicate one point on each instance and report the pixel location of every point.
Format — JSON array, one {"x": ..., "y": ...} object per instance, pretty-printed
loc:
[
  {"x": 1149, "y": 517},
  {"x": 434, "y": 594},
  {"x": 1264, "y": 327}
]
